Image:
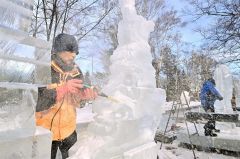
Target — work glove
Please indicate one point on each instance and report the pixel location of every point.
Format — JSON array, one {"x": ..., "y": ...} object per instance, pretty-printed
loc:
[
  {"x": 71, "y": 86},
  {"x": 88, "y": 93},
  {"x": 220, "y": 98}
]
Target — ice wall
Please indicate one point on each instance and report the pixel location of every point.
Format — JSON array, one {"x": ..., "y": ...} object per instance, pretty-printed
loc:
[
  {"x": 24, "y": 63},
  {"x": 237, "y": 91},
  {"x": 132, "y": 120},
  {"x": 224, "y": 84}
]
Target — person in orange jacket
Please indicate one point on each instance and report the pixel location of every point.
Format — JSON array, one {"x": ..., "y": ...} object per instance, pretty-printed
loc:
[{"x": 56, "y": 106}]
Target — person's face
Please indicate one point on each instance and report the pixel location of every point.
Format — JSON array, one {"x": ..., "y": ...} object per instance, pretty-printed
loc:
[{"x": 67, "y": 57}]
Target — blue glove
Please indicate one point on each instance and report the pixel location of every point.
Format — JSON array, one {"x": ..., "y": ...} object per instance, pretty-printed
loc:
[{"x": 220, "y": 98}]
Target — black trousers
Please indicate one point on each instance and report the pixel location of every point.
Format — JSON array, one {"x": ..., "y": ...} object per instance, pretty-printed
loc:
[
  {"x": 210, "y": 125},
  {"x": 63, "y": 145}
]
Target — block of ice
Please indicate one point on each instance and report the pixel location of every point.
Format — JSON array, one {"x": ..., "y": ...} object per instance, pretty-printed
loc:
[
  {"x": 237, "y": 91},
  {"x": 16, "y": 148},
  {"x": 15, "y": 15},
  {"x": 224, "y": 84},
  {"x": 17, "y": 107},
  {"x": 42, "y": 143},
  {"x": 21, "y": 145},
  {"x": 146, "y": 151},
  {"x": 22, "y": 64},
  {"x": 132, "y": 118}
]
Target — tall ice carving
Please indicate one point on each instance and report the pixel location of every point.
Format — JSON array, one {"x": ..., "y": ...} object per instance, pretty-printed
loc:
[{"x": 132, "y": 120}]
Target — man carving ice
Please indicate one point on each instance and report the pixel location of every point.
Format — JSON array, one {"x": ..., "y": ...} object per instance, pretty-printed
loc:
[
  {"x": 208, "y": 96},
  {"x": 56, "y": 106}
]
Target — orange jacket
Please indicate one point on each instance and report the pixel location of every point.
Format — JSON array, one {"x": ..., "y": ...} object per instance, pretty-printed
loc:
[{"x": 59, "y": 116}]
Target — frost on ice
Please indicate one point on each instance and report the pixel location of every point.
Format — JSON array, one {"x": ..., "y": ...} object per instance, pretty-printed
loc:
[
  {"x": 224, "y": 85},
  {"x": 133, "y": 120}
]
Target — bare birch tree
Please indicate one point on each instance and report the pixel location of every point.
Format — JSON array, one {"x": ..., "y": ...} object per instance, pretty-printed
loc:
[
  {"x": 223, "y": 35},
  {"x": 71, "y": 16}
]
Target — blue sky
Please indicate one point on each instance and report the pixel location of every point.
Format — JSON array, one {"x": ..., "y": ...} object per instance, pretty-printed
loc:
[
  {"x": 89, "y": 49},
  {"x": 188, "y": 32},
  {"x": 89, "y": 54}
]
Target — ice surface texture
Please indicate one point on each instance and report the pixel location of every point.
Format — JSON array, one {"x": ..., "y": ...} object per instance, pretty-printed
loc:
[
  {"x": 24, "y": 62},
  {"x": 237, "y": 91},
  {"x": 133, "y": 120},
  {"x": 224, "y": 84}
]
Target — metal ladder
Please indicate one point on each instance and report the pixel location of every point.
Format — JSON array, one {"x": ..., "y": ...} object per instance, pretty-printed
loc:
[{"x": 177, "y": 104}]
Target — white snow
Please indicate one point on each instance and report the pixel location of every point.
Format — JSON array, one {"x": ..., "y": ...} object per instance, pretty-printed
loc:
[
  {"x": 192, "y": 104},
  {"x": 172, "y": 151}
]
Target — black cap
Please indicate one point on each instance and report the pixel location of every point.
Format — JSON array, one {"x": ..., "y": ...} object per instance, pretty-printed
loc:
[
  {"x": 65, "y": 42},
  {"x": 212, "y": 81}
]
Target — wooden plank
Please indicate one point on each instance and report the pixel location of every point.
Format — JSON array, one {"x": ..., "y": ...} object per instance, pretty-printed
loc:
[{"x": 197, "y": 116}]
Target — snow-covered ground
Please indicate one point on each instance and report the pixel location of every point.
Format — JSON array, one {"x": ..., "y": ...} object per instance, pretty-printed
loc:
[
  {"x": 168, "y": 105},
  {"x": 172, "y": 151},
  {"x": 168, "y": 151}
]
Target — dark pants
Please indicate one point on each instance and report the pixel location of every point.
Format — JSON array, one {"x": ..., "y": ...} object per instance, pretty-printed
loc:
[
  {"x": 210, "y": 125},
  {"x": 63, "y": 145}
]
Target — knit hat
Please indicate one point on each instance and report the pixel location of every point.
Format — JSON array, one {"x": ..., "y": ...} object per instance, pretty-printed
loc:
[
  {"x": 65, "y": 42},
  {"x": 212, "y": 81}
]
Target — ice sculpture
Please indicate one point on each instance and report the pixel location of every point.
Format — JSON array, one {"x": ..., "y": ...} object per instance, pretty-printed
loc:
[
  {"x": 236, "y": 84},
  {"x": 24, "y": 63},
  {"x": 132, "y": 120},
  {"x": 17, "y": 110},
  {"x": 224, "y": 84}
]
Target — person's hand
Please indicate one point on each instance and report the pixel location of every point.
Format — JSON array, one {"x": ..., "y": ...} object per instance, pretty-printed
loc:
[
  {"x": 88, "y": 93},
  {"x": 91, "y": 92},
  {"x": 71, "y": 86},
  {"x": 220, "y": 98},
  {"x": 74, "y": 85}
]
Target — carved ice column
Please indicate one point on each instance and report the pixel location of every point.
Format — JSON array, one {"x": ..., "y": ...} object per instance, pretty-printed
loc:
[
  {"x": 224, "y": 84},
  {"x": 126, "y": 129},
  {"x": 24, "y": 64}
]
